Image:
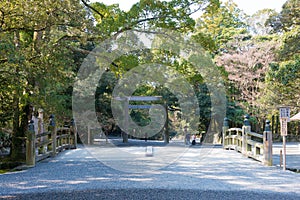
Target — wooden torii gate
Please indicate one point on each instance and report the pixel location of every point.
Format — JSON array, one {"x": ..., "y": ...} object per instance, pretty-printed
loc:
[{"x": 128, "y": 106}]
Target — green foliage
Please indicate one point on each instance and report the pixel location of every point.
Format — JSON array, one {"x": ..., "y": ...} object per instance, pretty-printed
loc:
[
  {"x": 35, "y": 53},
  {"x": 36, "y": 64},
  {"x": 290, "y": 14},
  {"x": 218, "y": 24},
  {"x": 103, "y": 99},
  {"x": 260, "y": 22},
  {"x": 145, "y": 15},
  {"x": 283, "y": 81},
  {"x": 290, "y": 44},
  {"x": 287, "y": 19}
]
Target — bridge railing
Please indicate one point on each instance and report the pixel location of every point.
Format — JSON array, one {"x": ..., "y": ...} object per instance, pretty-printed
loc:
[
  {"x": 254, "y": 146},
  {"x": 251, "y": 144},
  {"x": 233, "y": 139},
  {"x": 49, "y": 143}
]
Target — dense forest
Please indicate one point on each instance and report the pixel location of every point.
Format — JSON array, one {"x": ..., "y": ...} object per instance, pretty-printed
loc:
[{"x": 43, "y": 45}]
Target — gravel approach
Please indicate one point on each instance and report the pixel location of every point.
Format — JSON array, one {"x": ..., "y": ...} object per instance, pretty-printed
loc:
[{"x": 201, "y": 172}]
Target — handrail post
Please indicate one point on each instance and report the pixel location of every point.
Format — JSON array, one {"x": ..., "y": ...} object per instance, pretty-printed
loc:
[
  {"x": 126, "y": 120},
  {"x": 41, "y": 121},
  {"x": 224, "y": 130},
  {"x": 245, "y": 130},
  {"x": 30, "y": 145},
  {"x": 52, "y": 128},
  {"x": 89, "y": 135},
  {"x": 268, "y": 142},
  {"x": 73, "y": 128}
]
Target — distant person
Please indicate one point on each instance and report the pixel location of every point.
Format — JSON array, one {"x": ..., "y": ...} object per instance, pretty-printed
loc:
[
  {"x": 194, "y": 140},
  {"x": 202, "y": 137}
]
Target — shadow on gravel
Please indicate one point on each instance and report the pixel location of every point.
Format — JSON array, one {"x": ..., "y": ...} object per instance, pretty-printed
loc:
[
  {"x": 154, "y": 194},
  {"x": 154, "y": 143}
]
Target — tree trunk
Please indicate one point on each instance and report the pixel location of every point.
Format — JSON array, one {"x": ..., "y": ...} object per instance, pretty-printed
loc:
[
  {"x": 16, "y": 150},
  {"x": 125, "y": 137},
  {"x": 20, "y": 128},
  {"x": 167, "y": 134},
  {"x": 272, "y": 124},
  {"x": 277, "y": 125},
  {"x": 17, "y": 142}
]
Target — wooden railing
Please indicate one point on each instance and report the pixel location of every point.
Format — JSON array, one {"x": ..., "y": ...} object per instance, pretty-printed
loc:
[
  {"x": 233, "y": 139},
  {"x": 251, "y": 144},
  {"x": 43, "y": 145},
  {"x": 254, "y": 146},
  {"x": 49, "y": 143}
]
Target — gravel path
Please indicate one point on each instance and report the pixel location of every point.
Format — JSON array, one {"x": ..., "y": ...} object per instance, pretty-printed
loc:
[{"x": 205, "y": 172}]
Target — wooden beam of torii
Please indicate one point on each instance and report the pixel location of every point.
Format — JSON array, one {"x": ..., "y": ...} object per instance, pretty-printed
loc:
[
  {"x": 139, "y": 98},
  {"x": 144, "y": 98},
  {"x": 140, "y": 106}
]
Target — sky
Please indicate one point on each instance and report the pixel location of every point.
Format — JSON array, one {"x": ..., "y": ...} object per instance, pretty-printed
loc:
[{"x": 248, "y": 6}]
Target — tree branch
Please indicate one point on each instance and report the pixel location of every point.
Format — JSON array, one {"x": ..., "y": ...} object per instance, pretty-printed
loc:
[
  {"x": 4, "y": 60},
  {"x": 130, "y": 26},
  {"x": 87, "y": 52},
  {"x": 93, "y": 9},
  {"x": 2, "y": 18}
]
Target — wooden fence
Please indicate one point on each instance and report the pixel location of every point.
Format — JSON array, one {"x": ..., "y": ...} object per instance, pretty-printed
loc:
[
  {"x": 49, "y": 143},
  {"x": 251, "y": 144}
]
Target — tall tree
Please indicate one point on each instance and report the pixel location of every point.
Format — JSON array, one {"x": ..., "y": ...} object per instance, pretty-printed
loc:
[
  {"x": 282, "y": 77},
  {"x": 218, "y": 25},
  {"x": 283, "y": 84},
  {"x": 287, "y": 22},
  {"x": 35, "y": 58},
  {"x": 247, "y": 63}
]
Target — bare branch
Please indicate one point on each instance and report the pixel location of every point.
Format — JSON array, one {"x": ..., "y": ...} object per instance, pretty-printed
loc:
[{"x": 93, "y": 9}]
